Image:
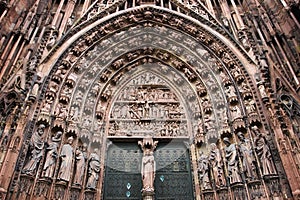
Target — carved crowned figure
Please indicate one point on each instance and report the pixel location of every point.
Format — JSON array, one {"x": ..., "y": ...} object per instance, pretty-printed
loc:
[{"x": 148, "y": 164}]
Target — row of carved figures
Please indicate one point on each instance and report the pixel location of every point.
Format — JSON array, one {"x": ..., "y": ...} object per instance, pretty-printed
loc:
[
  {"x": 71, "y": 162},
  {"x": 147, "y": 109},
  {"x": 244, "y": 161},
  {"x": 133, "y": 93}
]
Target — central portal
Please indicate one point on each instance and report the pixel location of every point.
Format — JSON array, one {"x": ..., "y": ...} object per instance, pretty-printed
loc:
[
  {"x": 149, "y": 120},
  {"x": 126, "y": 179}
]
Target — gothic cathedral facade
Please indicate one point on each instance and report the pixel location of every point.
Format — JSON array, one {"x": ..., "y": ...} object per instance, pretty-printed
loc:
[{"x": 149, "y": 99}]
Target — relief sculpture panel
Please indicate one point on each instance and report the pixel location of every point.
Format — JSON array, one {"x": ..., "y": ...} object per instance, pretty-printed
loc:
[{"x": 147, "y": 105}]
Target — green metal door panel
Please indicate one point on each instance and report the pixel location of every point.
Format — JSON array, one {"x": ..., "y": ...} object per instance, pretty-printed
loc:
[
  {"x": 123, "y": 179},
  {"x": 173, "y": 175}
]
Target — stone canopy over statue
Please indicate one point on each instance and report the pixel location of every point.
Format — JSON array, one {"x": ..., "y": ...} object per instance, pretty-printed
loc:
[{"x": 148, "y": 164}]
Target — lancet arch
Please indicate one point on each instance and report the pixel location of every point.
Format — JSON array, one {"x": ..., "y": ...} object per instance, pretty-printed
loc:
[{"x": 200, "y": 72}]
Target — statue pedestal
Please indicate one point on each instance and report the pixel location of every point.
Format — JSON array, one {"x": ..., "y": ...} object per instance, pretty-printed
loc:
[{"x": 148, "y": 195}]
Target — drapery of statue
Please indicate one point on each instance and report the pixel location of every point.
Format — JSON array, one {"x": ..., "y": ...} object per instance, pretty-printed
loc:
[
  {"x": 93, "y": 170},
  {"x": 51, "y": 155},
  {"x": 232, "y": 160},
  {"x": 80, "y": 165},
  {"x": 66, "y": 155},
  {"x": 36, "y": 151},
  {"x": 148, "y": 165},
  {"x": 238, "y": 159}
]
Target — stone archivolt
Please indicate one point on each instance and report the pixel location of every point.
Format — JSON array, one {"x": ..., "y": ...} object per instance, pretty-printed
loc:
[{"x": 199, "y": 88}]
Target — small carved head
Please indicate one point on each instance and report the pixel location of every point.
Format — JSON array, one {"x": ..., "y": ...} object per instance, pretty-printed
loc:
[
  {"x": 58, "y": 134},
  {"x": 41, "y": 129},
  {"x": 255, "y": 130},
  {"x": 213, "y": 146},
  {"x": 240, "y": 135},
  {"x": 226, "y": 141},
  {"x": 70, "y": 140}
]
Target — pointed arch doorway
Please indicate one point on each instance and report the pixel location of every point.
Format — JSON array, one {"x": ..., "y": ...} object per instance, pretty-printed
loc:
[
  {"x": 148, "y": 106},
  {"x": 157, "y": 78}
]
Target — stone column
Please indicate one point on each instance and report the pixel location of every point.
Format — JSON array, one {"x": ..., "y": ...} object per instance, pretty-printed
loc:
[
  {"x": 12, "y": 154},
  {"x": 68, "y": 12}
]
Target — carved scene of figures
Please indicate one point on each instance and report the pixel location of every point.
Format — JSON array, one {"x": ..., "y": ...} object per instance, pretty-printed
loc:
[
  {"x": 138, "y": 128},
  {"x": 147, "y": 110}
]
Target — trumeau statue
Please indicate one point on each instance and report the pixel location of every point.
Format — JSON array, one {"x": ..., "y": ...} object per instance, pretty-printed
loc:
[
  {"x": 36, "y": 148},
  {"x": 231, "y": 156},
  {"x": 93, "y": 171},
  {"x": 66, "y": 156},
  {"x": 148, "y": 164},
  {"x": 148, "y": 170}
]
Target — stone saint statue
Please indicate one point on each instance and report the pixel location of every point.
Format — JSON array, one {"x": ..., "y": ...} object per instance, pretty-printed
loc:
[
  {"x": 148, "y": 170},
  {"x": 263, "y": 152},
  {"x": 216, "y": 163},
  {"x": 51, "y": 156},
  {"x": 66, "y": 156},
  {"x": 203, "y": 170},
  {"x": 36, "y": 148},
  {"x": 93, "y": 171},
  {"x": 247, "y": 157},
  {"x": 231, "y": 156},
  {"x": 80, "y": 167},
  {"x": 80, "y": 157},
  {"x": 148, "y": 164}
]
